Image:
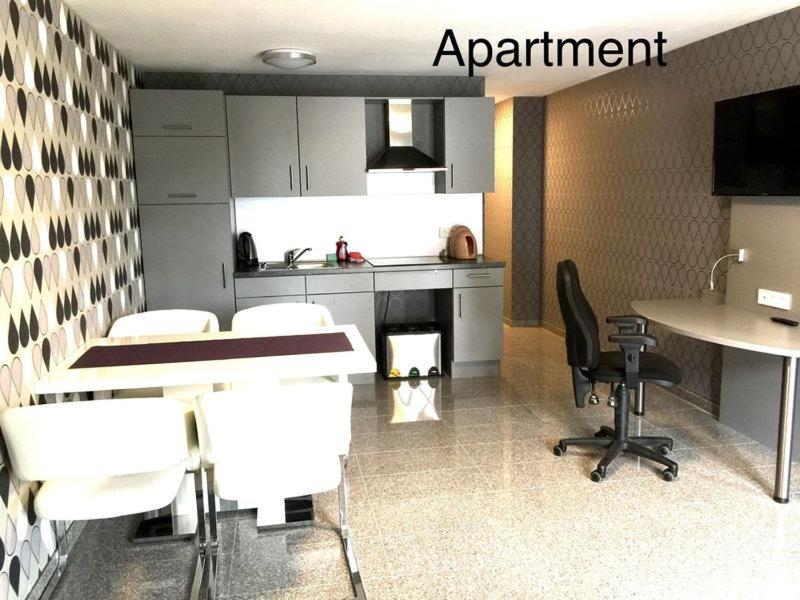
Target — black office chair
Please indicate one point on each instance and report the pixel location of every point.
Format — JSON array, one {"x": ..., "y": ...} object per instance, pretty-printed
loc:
[{"x": 624, "y": 369}]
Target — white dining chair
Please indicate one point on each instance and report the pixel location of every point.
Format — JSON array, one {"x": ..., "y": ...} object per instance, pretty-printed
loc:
[
  {"x": 295, "y": 442},
  {"x": 93, "y": 463},
  {"x": 282, "y": 319},
  {"x": 164, "y": 322},
  {"x": 160, "y": 322}
]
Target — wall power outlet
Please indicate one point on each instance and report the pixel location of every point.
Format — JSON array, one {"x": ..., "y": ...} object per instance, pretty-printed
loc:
[
  {"x": 775, "y": 299},
  {"x": 444, "y": 232}
]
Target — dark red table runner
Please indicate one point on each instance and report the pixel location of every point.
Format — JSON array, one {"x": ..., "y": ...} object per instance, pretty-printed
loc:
[{"x": 200, "y": 350}]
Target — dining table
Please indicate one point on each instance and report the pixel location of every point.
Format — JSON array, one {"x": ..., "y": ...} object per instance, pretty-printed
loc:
[{"x": 188, "y": 365}]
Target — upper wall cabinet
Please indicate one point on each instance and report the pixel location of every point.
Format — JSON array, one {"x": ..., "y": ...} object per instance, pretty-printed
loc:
[
  {"x": 181, "y": 170},
  {"x": 332, "y": 137},
  {"x": 262, "y": 142},
  {"x": 468, "y": 146},
  {"x": 287, "y": 146},
  {"x": 178, "y": 112}
]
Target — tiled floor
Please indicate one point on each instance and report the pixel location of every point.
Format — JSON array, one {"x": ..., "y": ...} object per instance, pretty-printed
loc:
[{"x": 477, "y": 506}]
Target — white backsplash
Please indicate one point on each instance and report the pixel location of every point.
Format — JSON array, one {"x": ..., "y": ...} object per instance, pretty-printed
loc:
[{"x": 399, "y": 216}]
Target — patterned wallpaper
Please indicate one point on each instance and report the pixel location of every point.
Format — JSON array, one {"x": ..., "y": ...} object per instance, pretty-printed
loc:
[
  {"x": 527, "y": 219},
  {"x": 262, "y": 84},
  {"x": 628, "y": 177},
  {"x": 513, "y": 212},
  {"x": 69, "y": 244}
]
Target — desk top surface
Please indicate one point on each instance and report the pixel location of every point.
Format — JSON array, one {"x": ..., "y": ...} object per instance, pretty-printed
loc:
[
  {"x": 309, "y": 363},
  {"x": 722, "y": 324}
]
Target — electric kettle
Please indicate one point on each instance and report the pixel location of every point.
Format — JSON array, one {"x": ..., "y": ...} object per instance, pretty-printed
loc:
[{"x": 246, "y": 255}]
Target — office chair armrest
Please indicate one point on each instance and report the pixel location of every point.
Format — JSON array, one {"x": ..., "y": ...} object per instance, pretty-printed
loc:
[
  {"x": 632, "y": 345},
  {"x": 633, "y": 340},
  {"x": 629, "y": 323}
]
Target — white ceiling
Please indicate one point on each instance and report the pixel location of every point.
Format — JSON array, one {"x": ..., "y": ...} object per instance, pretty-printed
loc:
[{"x": 398, "y": 37}]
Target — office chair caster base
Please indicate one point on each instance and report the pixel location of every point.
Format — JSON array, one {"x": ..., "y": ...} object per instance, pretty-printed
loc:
[
  {"x": 559, "y": 451},
  {"x": 664, "y": 449},
  {"x": 596, "y": 476},
  {"x": 668, "y": 475}
]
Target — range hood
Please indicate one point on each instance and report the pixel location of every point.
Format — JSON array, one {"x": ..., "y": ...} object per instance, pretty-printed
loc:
[{"x": 401, "y": 156}]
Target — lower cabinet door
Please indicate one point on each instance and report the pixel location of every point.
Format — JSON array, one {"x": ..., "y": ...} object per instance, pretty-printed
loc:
[
  {"x": 351, "y": 309},
  {"x": 477, "y": 324},
  {"x": 187, "y": 251}
]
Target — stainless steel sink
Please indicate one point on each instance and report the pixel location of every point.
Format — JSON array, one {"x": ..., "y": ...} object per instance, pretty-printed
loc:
[
  {"x": 298, "y": 266},
  {"x": 313, "y": 265}
]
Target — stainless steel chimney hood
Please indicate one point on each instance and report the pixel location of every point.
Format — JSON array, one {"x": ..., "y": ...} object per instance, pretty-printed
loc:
[{"x": 401, "y": 156}]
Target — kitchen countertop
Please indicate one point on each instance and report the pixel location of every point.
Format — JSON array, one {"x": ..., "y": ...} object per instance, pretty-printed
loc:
[{"x": 414, "y": 263}]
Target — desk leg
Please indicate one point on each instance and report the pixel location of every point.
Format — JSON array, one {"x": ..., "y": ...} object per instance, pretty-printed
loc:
[{"x": 783, "y": 468}]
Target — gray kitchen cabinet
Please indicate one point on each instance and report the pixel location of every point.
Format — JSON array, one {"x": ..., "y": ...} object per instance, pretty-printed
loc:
[
  {"x": 282, "y": 285},
  {"x": 354, "y": 308},
  {"x": 181, "y": 170},
  {"x": 413, "y": 280},
  {"x": 468, "y": 146},
  {"x": 339, "y": 283},
  {"x": 187, "y": 251},
  {"x": 178, "y": 112},
  {"x": 477, "y": 324},
  {"x": 263, "y": 146},
  {"x": 332, "y": 134},
  {"x": 243, "y": 303}
]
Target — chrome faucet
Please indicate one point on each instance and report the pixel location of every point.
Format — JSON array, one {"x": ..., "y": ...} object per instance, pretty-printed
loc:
[{"x": 291, "y": 258}]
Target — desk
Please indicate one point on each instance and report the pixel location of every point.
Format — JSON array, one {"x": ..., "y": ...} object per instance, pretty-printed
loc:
[
  {"x": 188, "y": 379},
  {"x": 739, "y": 328}
]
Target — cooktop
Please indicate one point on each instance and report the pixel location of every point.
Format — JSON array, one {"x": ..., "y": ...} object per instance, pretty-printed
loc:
[{"x": 403, "y": 261}]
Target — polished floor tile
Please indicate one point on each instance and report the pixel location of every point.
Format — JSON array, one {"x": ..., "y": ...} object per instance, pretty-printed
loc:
[{"x": 471, "y": 503}]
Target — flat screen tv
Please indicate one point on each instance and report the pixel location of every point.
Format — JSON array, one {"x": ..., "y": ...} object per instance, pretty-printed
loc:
[{"x": 757, "y": 144}]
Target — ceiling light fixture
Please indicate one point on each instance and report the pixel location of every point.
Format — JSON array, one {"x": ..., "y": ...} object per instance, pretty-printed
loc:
[{"x": 288, "y": 58}]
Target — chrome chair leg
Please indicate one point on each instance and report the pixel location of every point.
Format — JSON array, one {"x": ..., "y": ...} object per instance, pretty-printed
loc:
[
  {"x": 213, "y": 541},
  {"x": 202, "y": 544},
  {"x": 61, "y": 555},
  {"x": 344, "y": 530}
]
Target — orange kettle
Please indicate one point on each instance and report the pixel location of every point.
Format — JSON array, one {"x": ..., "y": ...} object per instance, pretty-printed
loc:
[{"x": 461, "y": 243}]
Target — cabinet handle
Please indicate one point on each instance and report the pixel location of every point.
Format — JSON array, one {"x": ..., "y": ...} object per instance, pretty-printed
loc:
[
  {"x": 459, "y": 305},
  {"x": 291, "y": 179},
  {"x": 224, "y": 281},
  {"x": 452, "y": 175},
  {"x": 306, "y": 177},
  {"x": 187, "y": 195},
  {"x": 176, "y": 126},
  {"x": 478, "y": 275}
]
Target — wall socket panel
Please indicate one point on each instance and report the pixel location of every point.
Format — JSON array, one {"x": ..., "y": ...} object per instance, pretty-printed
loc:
[
  {"x": 775, "y": 299},
  {"x": 444, "y": 232}
]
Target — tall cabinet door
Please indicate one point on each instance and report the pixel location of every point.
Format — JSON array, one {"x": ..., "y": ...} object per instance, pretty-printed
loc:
[
  {"x": 469, "y": 145},
  {"x": 188, "y": 258},
  {"x": 477, "y": 324},
  {"x": 262, "y": 143},
  {"x": 332, "y": 146}
]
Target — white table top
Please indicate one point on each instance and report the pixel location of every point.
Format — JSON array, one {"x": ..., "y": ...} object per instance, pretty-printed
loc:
[
  {"x": 722, "y": 324},
  {"x": 62, "y": 379}
]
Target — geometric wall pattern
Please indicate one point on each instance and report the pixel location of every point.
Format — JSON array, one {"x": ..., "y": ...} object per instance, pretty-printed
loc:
[
  {"x": 69, "y": 240},
  {"x": 527, "y": 209},
  {"x": 264, "y": 84},
  {"x": 513, "y": 212},
  {"x": 628, "y": 177}
]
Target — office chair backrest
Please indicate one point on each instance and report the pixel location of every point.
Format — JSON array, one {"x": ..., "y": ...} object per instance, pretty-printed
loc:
[{"x": 580, "y": 323}]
